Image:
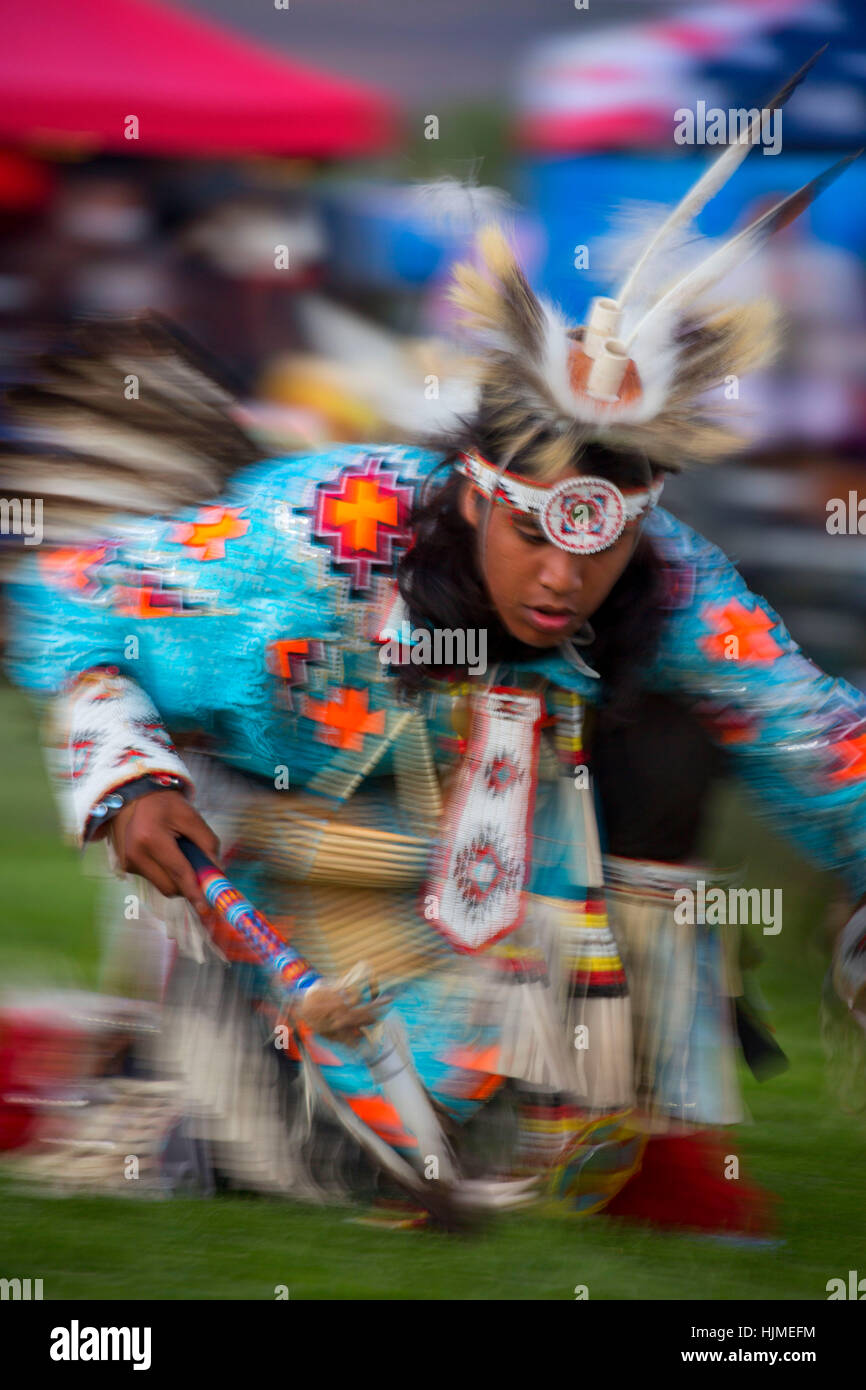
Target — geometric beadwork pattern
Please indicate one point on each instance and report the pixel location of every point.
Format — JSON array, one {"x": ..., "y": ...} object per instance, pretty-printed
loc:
[{"x": 360, "y": 516}]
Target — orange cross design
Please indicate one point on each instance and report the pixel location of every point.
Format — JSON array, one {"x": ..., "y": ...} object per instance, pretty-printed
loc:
[
  {"x": 282, "y": 652},
  {"x": 69, "y": 567},
  {"x": 853, "y": 751},
  {"x": 136, "y": 603},
  {"x": 346, "y": 718},
  {"x": 207, "y": 535},
  {"x": 751, "y": 628},
  {"x": 360, "y": 512}
]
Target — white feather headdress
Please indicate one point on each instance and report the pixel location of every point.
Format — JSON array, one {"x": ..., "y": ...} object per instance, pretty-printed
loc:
[{"x": 634, "y": 376}]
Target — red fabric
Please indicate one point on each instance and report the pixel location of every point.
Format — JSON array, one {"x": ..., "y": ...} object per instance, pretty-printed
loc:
[
  {"x": 74, "y": 70},
  {"x": 37, "y": 1056},
  {"x": 682, "y": 1183}
]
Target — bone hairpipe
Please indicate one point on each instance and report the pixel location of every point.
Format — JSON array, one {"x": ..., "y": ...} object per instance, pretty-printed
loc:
[
  {"x": 607, "y": 371},
  {"x": 603, "y": 323}
]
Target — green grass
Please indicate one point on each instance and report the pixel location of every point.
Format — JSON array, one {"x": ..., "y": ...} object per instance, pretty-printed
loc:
[
  {"x": 47, "y": 917},
  {"x": 800, "y": 1144}
]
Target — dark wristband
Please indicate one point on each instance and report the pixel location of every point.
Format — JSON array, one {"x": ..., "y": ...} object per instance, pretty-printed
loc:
[{"x": 106, "y": 809}]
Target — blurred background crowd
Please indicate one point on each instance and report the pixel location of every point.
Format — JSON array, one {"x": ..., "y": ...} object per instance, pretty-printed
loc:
[{"x": 261, "y": 174}]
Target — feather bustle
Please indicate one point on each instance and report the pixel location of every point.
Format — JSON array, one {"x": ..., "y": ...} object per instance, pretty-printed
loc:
[{"x": 89, "y": 450}]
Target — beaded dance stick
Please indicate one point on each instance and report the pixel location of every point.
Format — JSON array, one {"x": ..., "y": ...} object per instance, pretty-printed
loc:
[
  {"x": 450, "y": 1200},
  {"x": 287, "y": 969}
]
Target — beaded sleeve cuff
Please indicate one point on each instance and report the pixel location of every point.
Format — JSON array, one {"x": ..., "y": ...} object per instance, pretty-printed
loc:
[{"x": 114, "y": 737}]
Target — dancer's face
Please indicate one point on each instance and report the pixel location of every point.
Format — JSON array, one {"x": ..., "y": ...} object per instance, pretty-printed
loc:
[{"x": 542, "y": 595}]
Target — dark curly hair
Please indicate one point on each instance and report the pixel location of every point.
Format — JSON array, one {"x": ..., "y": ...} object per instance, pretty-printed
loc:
[{"x": 442, "y": 587}]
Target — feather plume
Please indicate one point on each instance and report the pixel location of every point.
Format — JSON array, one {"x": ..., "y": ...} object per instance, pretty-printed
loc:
[
  {"x": 738, "y": 248},
  {"x": 523, "y": 371},
  {"x": 499, "y": 306},
  {"x": 529, "y": 365},
  {"x": 711, "y": 181}
]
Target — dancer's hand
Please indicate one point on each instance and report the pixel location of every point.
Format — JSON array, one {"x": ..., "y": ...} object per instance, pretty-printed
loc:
[{"x": 144, "y": 835}]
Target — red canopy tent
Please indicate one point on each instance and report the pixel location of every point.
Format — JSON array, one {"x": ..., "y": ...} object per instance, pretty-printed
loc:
[{"x": 73, "y": 71}]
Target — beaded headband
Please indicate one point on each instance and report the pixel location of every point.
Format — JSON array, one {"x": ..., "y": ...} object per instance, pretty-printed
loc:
[{"x": 583, "y": 515}]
